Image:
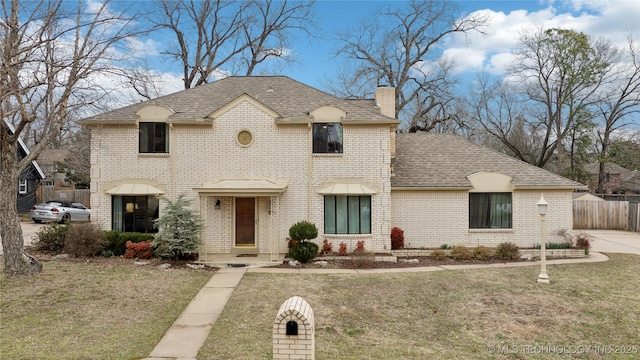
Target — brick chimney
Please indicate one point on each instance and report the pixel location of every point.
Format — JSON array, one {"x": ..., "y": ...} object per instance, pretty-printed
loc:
[{"x": 386, "y": 100}]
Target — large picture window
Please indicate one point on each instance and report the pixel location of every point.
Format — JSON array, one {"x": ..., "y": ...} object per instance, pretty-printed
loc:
[
  {"x": 134, "y": 213},
  {"x": 347, "y": 214},
  {"x": 327, "y": 138},
  {"x": 154, "y": 137},
  {"x": 490, "y": 211}
]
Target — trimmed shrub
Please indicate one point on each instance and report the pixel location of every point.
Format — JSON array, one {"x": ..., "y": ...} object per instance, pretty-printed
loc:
[
  {"x": 507, "y": 251},
  {"x": 397, "y": 238},
  {"x": 115, "y": 241},
  {"x": 438, "y": 254},
  {"x": 303, "y": 230},
  {"x": 445, "y": 247},
  {"x": 326, "y": 247},
  {"x": 552, "y": 245},
  {"x": 343, "y": 249},
  {"x": 482, "y": 252},
  {"x": 359, "y": 247},
  {"x": 83, "y": 240},
  {"x": 304, "y": 251},
  {"x": 460, "y": 252},
  {"x": 51, "y": 238},
  {"x": 363, "y": 259},
  {"x": 179, "y": 229},
  {"x": 583, "y": 242},
  {"x": 140, "y": 250}
]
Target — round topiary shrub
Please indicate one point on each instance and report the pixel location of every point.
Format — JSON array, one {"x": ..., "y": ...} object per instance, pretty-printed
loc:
[
  {"x": 507, "y": 251},
  {"x": 303, "y": 230},
  {"x": 304, "y": 251},
  {"x": 461, "y": 252}
]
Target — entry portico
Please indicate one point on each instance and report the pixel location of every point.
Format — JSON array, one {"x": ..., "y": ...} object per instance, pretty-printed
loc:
[{"x": 234, "y": 209}]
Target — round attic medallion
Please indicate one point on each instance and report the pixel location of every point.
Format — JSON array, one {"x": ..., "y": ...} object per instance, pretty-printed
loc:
[{"x": 245, "y": 138}]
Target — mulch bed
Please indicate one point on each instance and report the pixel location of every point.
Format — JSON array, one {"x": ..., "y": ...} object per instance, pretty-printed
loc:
[
  {"x": 347, "y": 262},
  {"x": 121, "y": 261}
]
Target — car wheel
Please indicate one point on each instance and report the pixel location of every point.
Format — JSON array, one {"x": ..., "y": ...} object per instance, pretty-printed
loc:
[
  {"x": 65, "y": 219},
  {"x": 37, "y": 221}
]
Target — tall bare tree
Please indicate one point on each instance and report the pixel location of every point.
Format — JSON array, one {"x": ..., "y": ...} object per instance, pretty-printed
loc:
[
  {"x": 398, "y": 47},
  {"x": 619, "y": 103},
  {"x": 559, "y": 71},
  {"x": 51, "y": 54},
  {"x": 215, "y": 37}
]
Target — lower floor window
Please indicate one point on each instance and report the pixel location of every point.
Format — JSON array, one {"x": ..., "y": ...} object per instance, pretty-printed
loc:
[
  {"x": 134, "y": 213},
  {"x": 347, "y": 214},
  {"x": 490, "y": 210}
]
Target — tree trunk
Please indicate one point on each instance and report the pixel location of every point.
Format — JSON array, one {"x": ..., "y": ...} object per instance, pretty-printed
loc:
[{"x": 16, "y": 261}]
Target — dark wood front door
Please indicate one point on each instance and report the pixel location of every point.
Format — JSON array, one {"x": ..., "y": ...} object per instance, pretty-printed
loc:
[{"x": 245, "y": 222}]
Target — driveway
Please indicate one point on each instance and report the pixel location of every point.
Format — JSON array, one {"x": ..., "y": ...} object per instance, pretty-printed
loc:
[
  {"x": 29, "y": 230},
  {"x": 614, "y": 241}
]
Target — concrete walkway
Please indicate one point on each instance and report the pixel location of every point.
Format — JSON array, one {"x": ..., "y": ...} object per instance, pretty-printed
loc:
[{"x": 185, "y": 337}]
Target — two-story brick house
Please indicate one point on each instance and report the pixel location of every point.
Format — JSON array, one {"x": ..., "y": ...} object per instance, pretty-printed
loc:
[{"x": 257, "y": 154}]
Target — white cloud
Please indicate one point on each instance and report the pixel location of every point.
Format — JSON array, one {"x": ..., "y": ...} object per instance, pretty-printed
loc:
[{"x": 609, "y": 19}]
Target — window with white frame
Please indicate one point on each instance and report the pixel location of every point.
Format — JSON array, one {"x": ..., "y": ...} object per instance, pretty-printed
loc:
[
  {"x": 23, "y": 186},
  {"x": 345, "y": 214}
]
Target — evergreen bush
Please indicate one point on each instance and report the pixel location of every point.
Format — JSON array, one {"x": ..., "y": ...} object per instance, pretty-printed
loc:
[
  {"x": 303, "y": 230},
  {"x": 304, "y": 251},
  {"x": 179, "y": 229}
]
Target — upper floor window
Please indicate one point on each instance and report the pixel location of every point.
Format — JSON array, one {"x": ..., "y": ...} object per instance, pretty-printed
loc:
[
  {"x": 154, "y": 137},
  {"x": 490, "y": 211},
  {"x": 23, "y": 186},
  {"x": 327, "y": 138}
]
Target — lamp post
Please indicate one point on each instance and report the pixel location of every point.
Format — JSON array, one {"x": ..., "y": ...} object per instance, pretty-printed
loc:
[{"x": 542, "y": 211}]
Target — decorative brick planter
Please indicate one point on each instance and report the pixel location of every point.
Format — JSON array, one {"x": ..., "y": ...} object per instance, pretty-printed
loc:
[{"x": 293, "y": 331}]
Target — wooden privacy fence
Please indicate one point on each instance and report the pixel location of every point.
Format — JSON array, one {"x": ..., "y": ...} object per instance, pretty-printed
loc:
[
  {"x": 606, "y": 215},
  {"x": 47, "y": 193}
]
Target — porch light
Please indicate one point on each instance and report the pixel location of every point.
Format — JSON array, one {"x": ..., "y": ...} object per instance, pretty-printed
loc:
[{"x": 218, "y": 204}]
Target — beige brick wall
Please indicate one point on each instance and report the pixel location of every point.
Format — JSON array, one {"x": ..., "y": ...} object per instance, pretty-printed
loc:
[
  {"x": 202, "y": 153},
  {"x": 432, "y": 218}
]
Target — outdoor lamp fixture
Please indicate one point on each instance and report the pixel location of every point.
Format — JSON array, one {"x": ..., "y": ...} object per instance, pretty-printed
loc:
[
  {"x": 218, "y": 204},
  {"x": 542, "y": 211}
]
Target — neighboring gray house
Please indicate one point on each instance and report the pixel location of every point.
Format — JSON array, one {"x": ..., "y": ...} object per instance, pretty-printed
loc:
[{"x": 29, "y": 179}]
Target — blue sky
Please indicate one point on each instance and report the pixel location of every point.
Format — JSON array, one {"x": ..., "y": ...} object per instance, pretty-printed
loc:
[
  {"x": 612, "y": 19},
  {"x": 608, "y": 18}
]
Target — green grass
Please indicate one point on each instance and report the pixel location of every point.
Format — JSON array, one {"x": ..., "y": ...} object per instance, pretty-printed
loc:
[
  {"x": 460, "y": 314},
  {"x": 95, "y": 310}
]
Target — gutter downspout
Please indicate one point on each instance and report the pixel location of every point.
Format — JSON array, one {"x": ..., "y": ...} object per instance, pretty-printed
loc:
[
  {"x": 172, "y": 154},
  {"x": 309, "y": 171}
]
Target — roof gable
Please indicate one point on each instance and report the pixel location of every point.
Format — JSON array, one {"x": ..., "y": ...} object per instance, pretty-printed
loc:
[{"x": 25, "y": 151}]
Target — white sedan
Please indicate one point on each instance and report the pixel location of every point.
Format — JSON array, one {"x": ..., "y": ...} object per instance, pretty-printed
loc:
[{"x": 59, "y": 211}]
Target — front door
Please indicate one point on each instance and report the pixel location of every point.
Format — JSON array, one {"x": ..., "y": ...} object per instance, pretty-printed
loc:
[{"x": 245, "y": 222}]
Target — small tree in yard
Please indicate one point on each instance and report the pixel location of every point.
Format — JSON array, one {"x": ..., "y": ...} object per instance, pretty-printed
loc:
[
  {"x": 303, "y": 250},
  {"x": 178, "y": 229}
]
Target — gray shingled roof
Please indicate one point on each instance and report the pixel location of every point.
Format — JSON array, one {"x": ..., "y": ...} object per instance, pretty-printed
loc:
[
  {"x": 291, "y": 99},
  {"x": 445, "y": 161}
]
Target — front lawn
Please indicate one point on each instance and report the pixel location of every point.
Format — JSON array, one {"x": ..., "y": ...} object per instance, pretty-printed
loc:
[
  {"x": 498, "y": 313},
  {"x": 92, "y": 310}
]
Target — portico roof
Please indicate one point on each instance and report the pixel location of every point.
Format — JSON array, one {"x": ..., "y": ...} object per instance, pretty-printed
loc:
[{"x": 242, "y": 187}]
